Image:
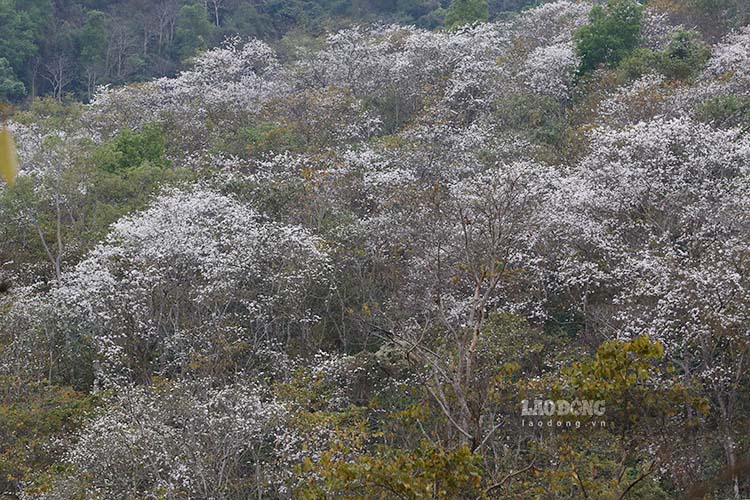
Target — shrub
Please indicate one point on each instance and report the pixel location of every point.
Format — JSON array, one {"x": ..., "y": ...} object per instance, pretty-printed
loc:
[{"x": 612, "y": 34}]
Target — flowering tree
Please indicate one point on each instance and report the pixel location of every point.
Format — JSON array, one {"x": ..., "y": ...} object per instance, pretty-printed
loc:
[
  {"x": 656, "y": 250},
  {"x": 186, "y": 439},
  {"x": 197, "y": 274}
]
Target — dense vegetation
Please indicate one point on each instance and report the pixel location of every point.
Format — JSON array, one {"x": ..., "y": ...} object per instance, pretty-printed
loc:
[
  {"x": 337, "y": 267},
  {"x": 69, "y": 48}
]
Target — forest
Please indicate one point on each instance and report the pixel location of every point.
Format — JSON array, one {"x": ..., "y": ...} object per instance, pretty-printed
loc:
[
  {"x": 380, "y": 249},
  {"x": 64, "y": 48}
]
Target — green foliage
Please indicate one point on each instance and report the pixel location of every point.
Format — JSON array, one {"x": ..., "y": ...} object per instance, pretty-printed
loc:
[
  {"x": 613, "y": 32},
  {"x": 682, "y": 59},
  {"x": 92, "y": 39},
  {"x": 619, "y": 365},
  {"x": 248, "y": 20},
  {"x": 426, "y": 472},
  {"x": 266, "y": 136},
  {"x": 539, "y": 118},
  {"x": 509, "y": 339},
  {"x": 21, "y": 25},
  {"x": 685, "y": 55},
  {"x": 30, "y": 418},
  {"x": 120, "y": 176},
  {"x": 629, "y": 376},
  {"x": 193, "y": 31},
  {"x": 726, "y": 111},
  {"x": 433, "y": 19},
  {"x": 640, "y": 62},
  {"x": 463, "y": 12},
  {"x": 131, "y": 149},
  {"x": 592, "y": 463},
  {"x": 10, "y": 87}
]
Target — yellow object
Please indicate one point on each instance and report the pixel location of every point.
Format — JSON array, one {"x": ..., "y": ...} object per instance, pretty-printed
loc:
[{"x": 8, "y": 158}]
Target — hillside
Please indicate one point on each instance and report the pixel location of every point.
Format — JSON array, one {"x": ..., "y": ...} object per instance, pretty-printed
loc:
[
  {"x": 66, "y": 49},
  {"x": 504, "y": 260}
]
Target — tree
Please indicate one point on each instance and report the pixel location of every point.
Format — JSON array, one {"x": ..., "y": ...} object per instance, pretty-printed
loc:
[
  {"x": 549, "y": 70},
  {"x": 192, "y": 32},
  {"x": 21, "y": 29},
  {"x": 463, "y": 12},
  {"x": 612, "y": 34},
  {"x": 667, "y": 278},
  {"x": 180, "y": 439},
  {"x": 11, "y": 88},
  {"x": 92, "y": 44},
  {"x": 424, "y": 473},
  {"x": 132, "y": 149},
  {"x": 194, "y": 251}
]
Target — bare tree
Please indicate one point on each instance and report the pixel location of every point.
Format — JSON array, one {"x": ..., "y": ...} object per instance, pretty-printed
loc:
[{"x": 59, "y": 73}]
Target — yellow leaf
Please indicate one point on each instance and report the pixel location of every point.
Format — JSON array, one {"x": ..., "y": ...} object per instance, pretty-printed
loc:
[{"x": 8, "y": 158}]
